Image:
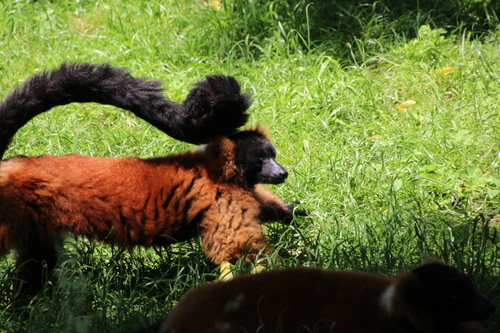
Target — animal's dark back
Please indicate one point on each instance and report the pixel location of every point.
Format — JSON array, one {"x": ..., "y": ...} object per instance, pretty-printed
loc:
[{"x": 283, "y": 300}]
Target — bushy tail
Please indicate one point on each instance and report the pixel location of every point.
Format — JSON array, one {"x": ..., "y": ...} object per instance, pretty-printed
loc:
[{"x": 213, "y": 107}]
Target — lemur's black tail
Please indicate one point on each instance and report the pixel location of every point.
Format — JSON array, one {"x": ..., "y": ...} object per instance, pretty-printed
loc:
[{"x": 213, "y": 107}]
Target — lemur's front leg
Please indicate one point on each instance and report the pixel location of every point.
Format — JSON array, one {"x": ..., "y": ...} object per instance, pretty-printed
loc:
[{"x": 272, "y": 208}]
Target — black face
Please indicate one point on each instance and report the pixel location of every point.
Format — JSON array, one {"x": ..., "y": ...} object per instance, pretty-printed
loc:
[
  {"x": 255, "y": 156},
  {"x": 451, "y": 297}
]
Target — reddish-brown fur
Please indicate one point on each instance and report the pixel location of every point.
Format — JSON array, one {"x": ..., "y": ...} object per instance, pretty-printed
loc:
[
  {"x": 132, "y": 201},
  {"x": 314, "y": 300}
]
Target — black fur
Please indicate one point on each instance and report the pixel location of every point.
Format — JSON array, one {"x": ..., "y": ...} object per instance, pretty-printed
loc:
[
  {"x": 450, "y": 296},
  {"x": 213, "y": 107},
  {"x": 257, "y": 157}
]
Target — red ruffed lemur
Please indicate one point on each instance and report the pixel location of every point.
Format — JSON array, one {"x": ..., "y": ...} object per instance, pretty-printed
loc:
[
  {"x": 432, "y": 298},
  {"x": 213, "y": 191}
]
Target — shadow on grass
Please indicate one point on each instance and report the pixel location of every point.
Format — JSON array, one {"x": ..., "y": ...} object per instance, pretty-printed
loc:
[{"x": 334, "y": 26}]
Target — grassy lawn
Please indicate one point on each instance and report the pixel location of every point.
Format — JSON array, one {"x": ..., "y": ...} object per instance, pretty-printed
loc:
[{"x": 388, "y": 123}]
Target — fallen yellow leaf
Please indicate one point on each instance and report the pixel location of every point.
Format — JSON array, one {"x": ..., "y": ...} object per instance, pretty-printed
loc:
[
  {"x": 445, "y": 70},
  {"x": 403, "y": 107}
]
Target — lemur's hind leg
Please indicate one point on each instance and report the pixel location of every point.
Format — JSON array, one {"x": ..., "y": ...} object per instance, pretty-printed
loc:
[
  {"x": 231, "y": 230},
  {"x": 36, "y": 259}
]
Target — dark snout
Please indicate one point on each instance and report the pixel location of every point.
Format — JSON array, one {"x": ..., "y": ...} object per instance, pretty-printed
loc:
[
  {"x": 484, "y": 308},
  {"x": 272, "y": 172}
]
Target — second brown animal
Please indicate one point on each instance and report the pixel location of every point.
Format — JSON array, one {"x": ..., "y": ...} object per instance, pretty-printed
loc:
[{"x": 433, "y": 298}]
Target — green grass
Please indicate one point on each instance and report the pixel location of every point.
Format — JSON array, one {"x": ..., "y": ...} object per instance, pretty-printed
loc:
[{"x": 386, "y": 185}]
